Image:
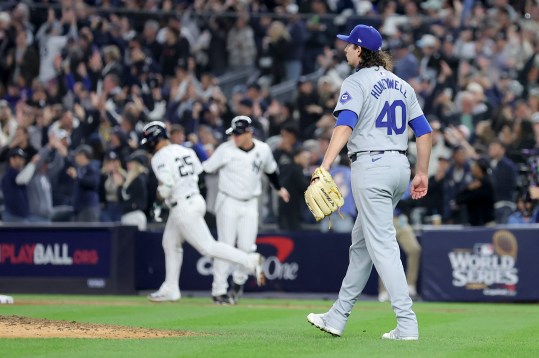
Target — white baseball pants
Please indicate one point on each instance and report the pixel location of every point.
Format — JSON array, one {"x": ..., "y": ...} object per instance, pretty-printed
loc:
[
  {"x": 186, "y": 223},
  {"x": 237, "y": 225}
]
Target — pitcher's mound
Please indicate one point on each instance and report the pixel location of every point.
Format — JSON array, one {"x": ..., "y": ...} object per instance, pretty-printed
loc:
[{"x": 26, "y": 327}]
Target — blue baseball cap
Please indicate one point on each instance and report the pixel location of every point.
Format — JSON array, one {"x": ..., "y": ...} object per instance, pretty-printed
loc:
[{"x": 364, "y": 36}]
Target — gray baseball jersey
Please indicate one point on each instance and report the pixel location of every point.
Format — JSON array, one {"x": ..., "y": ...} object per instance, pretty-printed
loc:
[{"x": 375, "y": 93}]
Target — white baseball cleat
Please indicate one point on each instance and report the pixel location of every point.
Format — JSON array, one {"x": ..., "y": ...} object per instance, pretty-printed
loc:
[
  {"x": 6, "y": 300},
  {"x": 394, "y": 335},
  {"x": 161, "y": 296},
  {"x": 317, "y": 320},
  {"x": 259, "y": 271}
]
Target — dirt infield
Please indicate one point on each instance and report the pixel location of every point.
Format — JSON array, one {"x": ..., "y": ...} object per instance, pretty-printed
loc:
[
  {"x": 25, "y": 327},
  {"x": 70, "y": 301}
]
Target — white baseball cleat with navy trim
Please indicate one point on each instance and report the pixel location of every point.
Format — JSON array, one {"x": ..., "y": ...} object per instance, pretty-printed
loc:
[
  {"x": 317, "y": 320},
  {"x": 394, "y": 335},
  {"x": 163, "y": 296}
]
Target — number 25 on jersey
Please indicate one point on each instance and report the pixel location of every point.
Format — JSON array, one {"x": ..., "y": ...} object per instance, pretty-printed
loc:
[
  {"x": 185, "y": 165},
  {"x": 392, "y": 117}
]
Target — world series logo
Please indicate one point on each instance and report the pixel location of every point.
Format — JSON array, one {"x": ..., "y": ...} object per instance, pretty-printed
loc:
[{"x": 489, "y": 267}]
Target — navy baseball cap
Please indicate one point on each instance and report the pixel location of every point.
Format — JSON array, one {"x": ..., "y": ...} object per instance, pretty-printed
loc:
[
  {"x": 17, "y": 152},
  {"x": 364, "y": 36},
  {"x": 240, "y": 125},
  {"x": 111, "y": 155}
]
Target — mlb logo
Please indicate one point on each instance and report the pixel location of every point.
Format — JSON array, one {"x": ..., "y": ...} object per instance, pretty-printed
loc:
[
  {"x": 345, "y": 97},
  {"x": 484, "y": 249}
]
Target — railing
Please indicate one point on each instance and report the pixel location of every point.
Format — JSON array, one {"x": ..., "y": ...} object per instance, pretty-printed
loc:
[
  {"x": 228, "y": 81},
  {"x": 285, "y": 91}
]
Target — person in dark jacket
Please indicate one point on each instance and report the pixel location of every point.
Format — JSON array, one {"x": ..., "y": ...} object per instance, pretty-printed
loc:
[
  {"x": 293, "y": 178},
  {"x": 133, "y": 193},
  {"x": 457, "y": 178},
  {"x": 478, "y": 196},
  {"x": 278, "y": 48},
  {"x": 175, "y": 50},
  {"x": 86, "y": 176},
  {"x": 504, "y": 179},
  {"x": 16, "y": 207},
  {"x": 434, "y": 202},
  {"x": 298, "y": 36}
]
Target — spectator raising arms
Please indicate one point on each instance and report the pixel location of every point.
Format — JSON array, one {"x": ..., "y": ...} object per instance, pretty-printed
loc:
[{"x": 86, "y": 176}]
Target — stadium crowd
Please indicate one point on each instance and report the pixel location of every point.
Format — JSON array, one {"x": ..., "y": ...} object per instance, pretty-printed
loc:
[{"x": 79, "y": 79}]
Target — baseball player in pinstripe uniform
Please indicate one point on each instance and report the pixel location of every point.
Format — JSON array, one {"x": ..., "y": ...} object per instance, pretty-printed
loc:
[
  {"x": 240, "y": 162},
  {"x": 177, "y": 169},
  {"x": 373, "y": 112}
]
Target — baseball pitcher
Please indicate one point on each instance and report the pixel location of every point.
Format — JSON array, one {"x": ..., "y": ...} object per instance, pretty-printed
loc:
[{"x": 373, "y": 112}]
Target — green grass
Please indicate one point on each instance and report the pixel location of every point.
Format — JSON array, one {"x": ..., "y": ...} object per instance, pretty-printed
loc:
[{"x": 277, "y": 328}]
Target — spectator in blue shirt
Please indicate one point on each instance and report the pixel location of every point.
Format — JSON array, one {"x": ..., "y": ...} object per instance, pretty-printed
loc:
[
  {"x": 177, "y": 136},
  {"x": 406, "y": 64},
  {"x": 525, "y": 213}
]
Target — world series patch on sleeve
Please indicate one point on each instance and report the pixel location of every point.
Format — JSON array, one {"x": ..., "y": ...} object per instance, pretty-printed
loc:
[{"x": 323, "y": 196}]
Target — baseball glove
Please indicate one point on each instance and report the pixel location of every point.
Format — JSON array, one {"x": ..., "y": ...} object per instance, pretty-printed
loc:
[{"x": 323, "y": 196}]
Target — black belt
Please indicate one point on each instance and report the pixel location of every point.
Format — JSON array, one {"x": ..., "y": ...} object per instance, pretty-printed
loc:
[
  {"x": 230, "y": 196},
  {"x": 174, "y": 204},
  {"x": 353, "y": 156}
]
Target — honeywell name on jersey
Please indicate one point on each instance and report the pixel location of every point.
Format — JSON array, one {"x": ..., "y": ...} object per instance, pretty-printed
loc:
[{"x": 388, "y": 83}]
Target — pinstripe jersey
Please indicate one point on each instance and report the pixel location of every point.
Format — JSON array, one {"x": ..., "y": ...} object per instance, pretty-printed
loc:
[
  {"x": 384, "y": 104},
  {"x": 178, "y": 167},
  {"x": 239, "y": 170}
]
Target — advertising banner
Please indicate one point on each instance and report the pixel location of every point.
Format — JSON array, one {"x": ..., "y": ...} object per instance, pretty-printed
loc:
[
  {"x": 482, "y": 265},
  {"x": 65, "y": 253},
  {"x": 68, "y": 258},
  {"x": 295, "y": 262}
]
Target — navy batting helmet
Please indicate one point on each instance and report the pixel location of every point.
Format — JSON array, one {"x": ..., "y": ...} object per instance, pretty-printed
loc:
[
  {"x": 240, "y": 125},
  {"x": 152, "y": 133}
]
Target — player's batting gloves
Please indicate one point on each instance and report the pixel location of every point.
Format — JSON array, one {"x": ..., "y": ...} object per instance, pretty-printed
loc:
[
  {"x": 157, "y": 212},
  {"x": 323, "y": 196}
]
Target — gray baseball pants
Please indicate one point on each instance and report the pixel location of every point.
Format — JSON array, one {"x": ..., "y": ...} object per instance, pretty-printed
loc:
[{"x": 378, "y": 182}]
